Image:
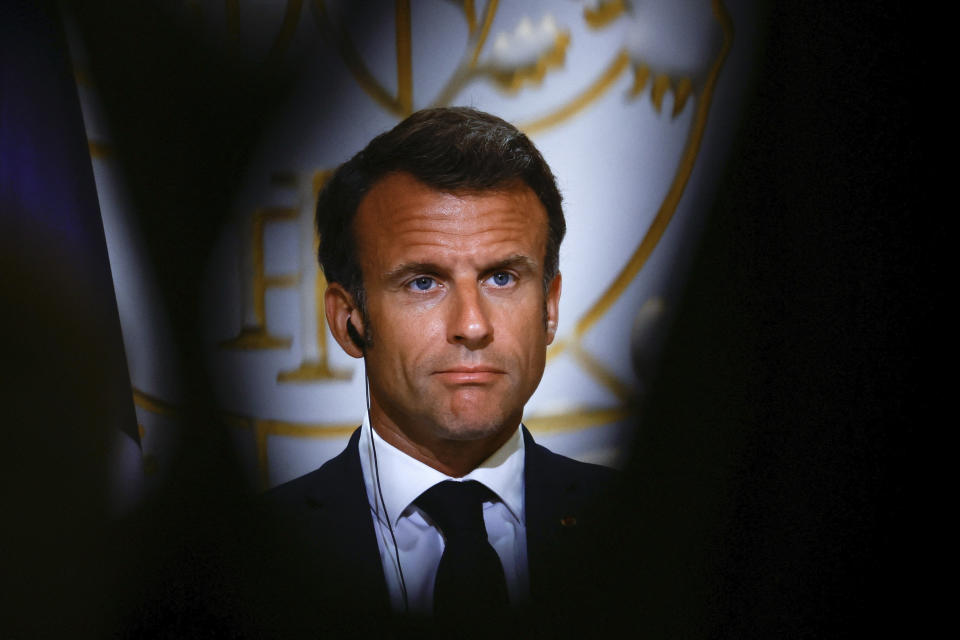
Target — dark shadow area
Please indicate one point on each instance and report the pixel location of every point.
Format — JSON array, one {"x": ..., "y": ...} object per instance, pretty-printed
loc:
[
  {"x": 184, "y": 114},
  {"x": 183, "y": 119},
  {"x": 64, "y": 390},
  {"x": 771, "y": 489}
]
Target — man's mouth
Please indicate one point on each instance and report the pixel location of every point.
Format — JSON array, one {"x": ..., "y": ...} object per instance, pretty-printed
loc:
[{"x": 469, "y": 374}]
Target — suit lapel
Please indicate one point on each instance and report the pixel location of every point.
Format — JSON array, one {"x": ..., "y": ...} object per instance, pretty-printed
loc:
[
  {"x": 338, "y": 509},
  {"x": 551, "y": 516}
]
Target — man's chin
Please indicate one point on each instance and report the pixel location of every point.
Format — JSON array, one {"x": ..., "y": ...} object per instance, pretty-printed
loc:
[{"x": 473, "y": 430}]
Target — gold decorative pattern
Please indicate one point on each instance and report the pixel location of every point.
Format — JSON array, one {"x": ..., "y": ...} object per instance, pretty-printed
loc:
[
  {"x": 313, "y": 370},
  {"x": 465, "y": 70},
  {"x": 605, "y": 13},
  {"x": 154, "y": 405},
  {"x": 509, "y": 80},
  {"x": 488, "y": 15},
  {"x": 255, "y": 338},
  {"x": 160, "y": 407},
  {"x": 471, "y": 13},
  {"x": 680, "y": 95},
  {"x": 265, "y": 428},
  {"x": 260, "y": 218},
  {"x": 641, "y": 75},
  {"x": 512, "y": 80},
  {"x": 404, "y": 57},
  {"x": 670, "y": 201},
  {"x": 600, "y": 373},
  {"x": 582, "y": 100},
  {"x": 258, "y": 336},
  {"x": 402, "y": 104},
  {"x": 356, "y": 66},
  {"x": 282, "y": 281},
  {"x": 301, "y": 430},
  {"x": 660, "y": 85},
  {"x": 319, "y": 369}
]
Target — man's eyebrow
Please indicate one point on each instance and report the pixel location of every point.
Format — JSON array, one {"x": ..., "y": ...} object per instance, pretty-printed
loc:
[
  {"x": 403, "y": 271},
  {"x": 517, "y": 261},
  {"x": 407, "y": 269}
]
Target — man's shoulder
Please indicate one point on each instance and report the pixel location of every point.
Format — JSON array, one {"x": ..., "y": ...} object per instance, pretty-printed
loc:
[
  {"x": 544, "y": 464},
  {"x": 317, "y": 559},
  {"x": 569, "y": 510},
  {"x": 558, "y": 486},
  {"x": 315, "y": 486},
  {"x": 590, "y": 470}
]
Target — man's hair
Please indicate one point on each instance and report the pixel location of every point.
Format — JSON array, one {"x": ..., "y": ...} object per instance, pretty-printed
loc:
[{"x": 454, "y": 150}]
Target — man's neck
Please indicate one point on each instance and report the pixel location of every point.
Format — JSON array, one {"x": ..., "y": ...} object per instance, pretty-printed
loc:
[{"x": 455, "y": 458}]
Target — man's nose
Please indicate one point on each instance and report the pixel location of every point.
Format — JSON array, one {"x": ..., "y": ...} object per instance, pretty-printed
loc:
[{"x": 470, "y": 322}]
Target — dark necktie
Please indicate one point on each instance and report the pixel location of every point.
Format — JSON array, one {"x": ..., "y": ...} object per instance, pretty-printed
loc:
[{"x": 470, "y": 582}]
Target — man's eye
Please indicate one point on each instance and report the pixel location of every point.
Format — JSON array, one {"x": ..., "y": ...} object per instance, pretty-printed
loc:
[
  {"x": 501, "y": 279},
  {"x": 423, "y": 283}
]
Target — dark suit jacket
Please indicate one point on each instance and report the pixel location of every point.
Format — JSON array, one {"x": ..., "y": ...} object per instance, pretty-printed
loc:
[{"x": 323, "y": 565}]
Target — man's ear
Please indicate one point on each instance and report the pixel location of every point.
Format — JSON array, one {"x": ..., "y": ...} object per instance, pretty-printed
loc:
[
  {"x": 341, "y": 312},
  {"x": 553, "y": 307}
]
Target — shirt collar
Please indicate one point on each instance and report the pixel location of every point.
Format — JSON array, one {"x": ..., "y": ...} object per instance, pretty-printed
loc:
[{"x": 403, "y": 478}]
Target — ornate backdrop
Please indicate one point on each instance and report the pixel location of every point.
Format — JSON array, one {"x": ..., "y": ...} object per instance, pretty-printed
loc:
[{"x": 633, "y": 105}]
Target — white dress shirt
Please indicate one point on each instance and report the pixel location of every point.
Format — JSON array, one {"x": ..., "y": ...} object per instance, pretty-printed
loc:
[{"x": 403, "y": 479}]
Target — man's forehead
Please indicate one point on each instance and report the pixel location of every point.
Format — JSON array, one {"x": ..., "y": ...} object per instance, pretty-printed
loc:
[
  {"x": 406, "y": 226},
  {"x": 405, "y": 181},
  {"x": 402, "y": 202}
]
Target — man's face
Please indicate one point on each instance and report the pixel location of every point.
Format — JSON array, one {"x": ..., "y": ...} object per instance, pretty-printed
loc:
[{"x": 457, "y": 311}]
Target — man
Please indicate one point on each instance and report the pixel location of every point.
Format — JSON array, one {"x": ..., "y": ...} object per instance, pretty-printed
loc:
[{"x": 440, "y": 243}]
